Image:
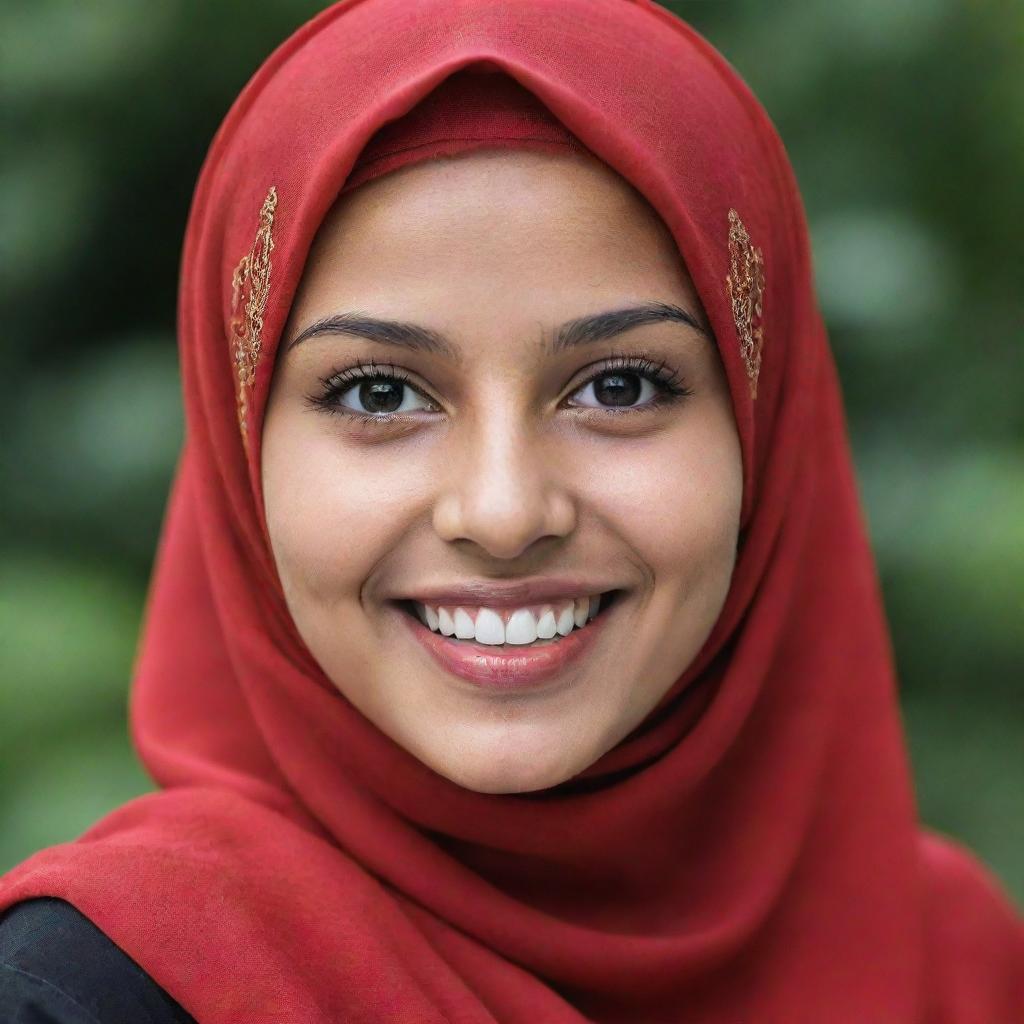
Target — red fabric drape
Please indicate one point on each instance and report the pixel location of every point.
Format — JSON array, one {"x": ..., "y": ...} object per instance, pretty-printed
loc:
[{"x": 750, "y": 853}]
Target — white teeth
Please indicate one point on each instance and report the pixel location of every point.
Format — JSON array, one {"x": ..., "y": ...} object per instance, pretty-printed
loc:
[
  {"x": 489, "y": 627},
  {"x": 566, "y": 620},
  {"x": 465, "y": 628},
  {"x": 546, "y": 625},
  {"x": 523, "y": 626}
]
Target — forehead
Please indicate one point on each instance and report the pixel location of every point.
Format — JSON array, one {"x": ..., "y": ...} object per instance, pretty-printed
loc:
[
  {"x": 496, "y": 250},
  {"x": 495, "y": 220}
]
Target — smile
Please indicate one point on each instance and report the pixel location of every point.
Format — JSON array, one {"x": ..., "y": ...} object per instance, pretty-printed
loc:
[{"x": 509, "y": 648}]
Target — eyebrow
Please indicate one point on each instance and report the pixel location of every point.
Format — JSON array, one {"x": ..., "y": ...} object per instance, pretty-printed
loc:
[{"x": 584, "y": 330}]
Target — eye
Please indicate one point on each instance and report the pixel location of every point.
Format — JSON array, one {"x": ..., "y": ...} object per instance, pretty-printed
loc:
[
  {"x": 626, "y": 380},
  {"x": 373, "y": 393},
  {"x": 378, "y": 394}
]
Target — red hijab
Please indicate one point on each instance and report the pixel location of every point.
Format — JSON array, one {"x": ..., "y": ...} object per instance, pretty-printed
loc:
[{"x": 750, "y": 853}]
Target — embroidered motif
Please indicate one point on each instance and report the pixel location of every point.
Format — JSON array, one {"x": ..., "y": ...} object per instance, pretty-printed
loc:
[
  {"x": 250, "y": 286},
  {"x": 746, "y": 290}
]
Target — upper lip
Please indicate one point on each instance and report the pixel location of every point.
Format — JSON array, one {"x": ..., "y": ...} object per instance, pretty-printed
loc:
[{"x": 508, "y": 594}]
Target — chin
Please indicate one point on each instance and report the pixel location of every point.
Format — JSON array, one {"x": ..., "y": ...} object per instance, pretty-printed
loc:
[{"x": 524, "y": 775}]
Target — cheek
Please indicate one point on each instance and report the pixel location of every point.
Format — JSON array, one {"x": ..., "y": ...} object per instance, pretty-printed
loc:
[
  {"x": 677, "y": 502},
  {"x": 332, "y": 512}
]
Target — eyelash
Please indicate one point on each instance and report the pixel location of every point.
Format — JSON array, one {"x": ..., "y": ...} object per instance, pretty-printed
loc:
[{"x": 336, "y": 384}]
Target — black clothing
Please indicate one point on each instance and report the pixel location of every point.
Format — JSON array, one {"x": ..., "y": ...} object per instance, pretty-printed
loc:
[{"x": 57, "y": 967}]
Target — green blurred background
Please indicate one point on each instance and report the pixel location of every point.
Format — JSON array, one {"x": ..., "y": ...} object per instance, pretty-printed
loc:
[{"x": 903, "y": 120}]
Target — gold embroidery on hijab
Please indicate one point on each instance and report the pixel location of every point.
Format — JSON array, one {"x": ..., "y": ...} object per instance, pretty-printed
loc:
[
  {"x": 746, "y": 290},
  {"x": 251, "y": 281}
]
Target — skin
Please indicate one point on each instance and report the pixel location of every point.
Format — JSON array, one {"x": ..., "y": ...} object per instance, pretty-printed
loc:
[{"x": 510, "y": 462}]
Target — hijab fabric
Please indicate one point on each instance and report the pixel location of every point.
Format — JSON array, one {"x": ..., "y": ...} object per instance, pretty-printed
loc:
[{"x": 751, "y": 851}]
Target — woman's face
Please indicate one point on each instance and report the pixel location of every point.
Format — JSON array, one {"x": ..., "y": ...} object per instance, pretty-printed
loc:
[{"x": 500, "y": 445}]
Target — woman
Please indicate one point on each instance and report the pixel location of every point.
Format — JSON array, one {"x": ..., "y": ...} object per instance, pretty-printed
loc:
[{"x": 514, "y": 650}]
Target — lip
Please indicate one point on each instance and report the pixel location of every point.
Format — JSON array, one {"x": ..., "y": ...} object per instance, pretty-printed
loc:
[
  {"x": 508, "y": 669},
  {"x": 512, "y": 594}
]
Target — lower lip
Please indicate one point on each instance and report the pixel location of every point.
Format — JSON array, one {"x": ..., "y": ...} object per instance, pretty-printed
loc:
[{"x": 507, "y": 668}]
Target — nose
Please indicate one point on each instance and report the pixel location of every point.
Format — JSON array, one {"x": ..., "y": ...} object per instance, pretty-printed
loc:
[{"x": 503, "y": 490}]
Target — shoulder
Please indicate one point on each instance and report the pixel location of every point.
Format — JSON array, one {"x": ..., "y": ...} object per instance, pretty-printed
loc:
[
  {"x": 56, "y": 965},
  {"x": 960, "y": 882},
  {"x": 977, "y": 932}
]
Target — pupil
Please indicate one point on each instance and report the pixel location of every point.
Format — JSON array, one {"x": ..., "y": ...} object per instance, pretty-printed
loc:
[
  {"x": 387, "y": 394},
  {"x": 624, "y": 389}
]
